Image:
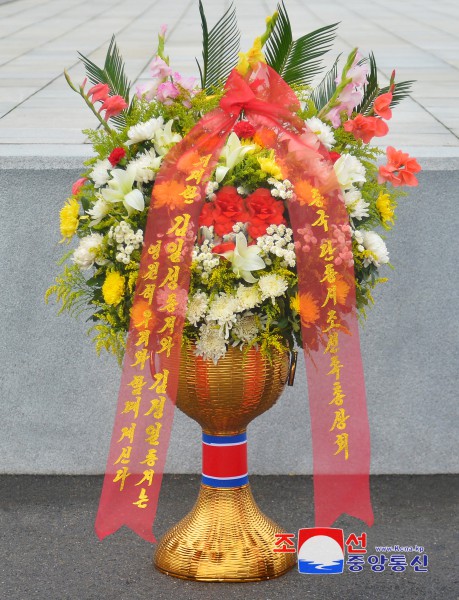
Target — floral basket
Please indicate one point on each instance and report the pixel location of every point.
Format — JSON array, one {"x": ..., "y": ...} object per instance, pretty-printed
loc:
[{"x": 240, "y": 212}]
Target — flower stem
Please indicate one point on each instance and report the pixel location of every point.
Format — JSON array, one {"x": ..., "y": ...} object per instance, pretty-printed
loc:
[
  {"x": 80, "y": 90},
  {"x": 345, "y": 80}
]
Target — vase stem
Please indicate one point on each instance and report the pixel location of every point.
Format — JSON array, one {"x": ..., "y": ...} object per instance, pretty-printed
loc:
[{"x": 224, "y": 460}]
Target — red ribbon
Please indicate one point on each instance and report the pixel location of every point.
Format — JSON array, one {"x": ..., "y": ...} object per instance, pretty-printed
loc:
[{"x": 144, "y": 414}]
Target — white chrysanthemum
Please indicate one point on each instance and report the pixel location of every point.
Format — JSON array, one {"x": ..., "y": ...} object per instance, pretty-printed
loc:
[
  {"x": 211, "y": 344},
  {"x": 374, "y": 244},
  {"x": 197, "y": 307},
  {"x": 349, "y": 170},
  {"x": 146, "y": 166},
  {"x": 222, "y": 310},
  {"x": 144, "y": 131},
  {"x": 356, "y": 206},
  {"x": 246, "y": 328},
  {"x": 247, "y": 297},
  {"x": 323, "y": 131},
  {"x": 272, "y": 286},
  {"x": 99, "y": 173},
  {"x": 85, "y": 254},
  {"x": 98, "y": 211}
]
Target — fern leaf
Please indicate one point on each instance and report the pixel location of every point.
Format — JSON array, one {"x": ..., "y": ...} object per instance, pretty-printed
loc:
[
  {"x": 297, "y": 61},
  {"x": 113, "y": 74},
  {"x": 220, "y": 47}
]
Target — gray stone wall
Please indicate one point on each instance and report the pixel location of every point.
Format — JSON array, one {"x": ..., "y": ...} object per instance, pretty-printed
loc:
[{"x": 58, "y": 399}]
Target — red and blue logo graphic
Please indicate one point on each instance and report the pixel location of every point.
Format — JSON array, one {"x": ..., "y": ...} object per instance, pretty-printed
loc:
[{"x": 320, "y": 550}]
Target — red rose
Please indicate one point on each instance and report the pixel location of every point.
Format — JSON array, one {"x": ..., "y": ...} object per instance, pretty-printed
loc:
[
  {"x": 244, "y": 130},
  {"x": 264, "y": 210},
  {"x": 116, "y": 155},
  {"x": 229, "y": 209}
]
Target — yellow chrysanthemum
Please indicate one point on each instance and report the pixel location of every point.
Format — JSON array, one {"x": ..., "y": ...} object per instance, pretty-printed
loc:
[
  {"x": 69, "y": 219},
  {"x": 113, "y": 288},
  {"x": 385, "y": 208},
  {"x": 270, "y": 167}
]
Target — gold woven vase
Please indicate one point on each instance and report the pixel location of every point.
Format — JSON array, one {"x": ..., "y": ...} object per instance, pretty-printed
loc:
[{"x": 226, "y": 537}]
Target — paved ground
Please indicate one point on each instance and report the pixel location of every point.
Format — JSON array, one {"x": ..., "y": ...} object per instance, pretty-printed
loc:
[
  {"x": 51, "y": 552},
  {"x": 39, "y": 115}
]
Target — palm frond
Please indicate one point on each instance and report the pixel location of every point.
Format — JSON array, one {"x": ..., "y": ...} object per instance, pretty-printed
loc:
[
  {"x": 372, "y": 89},
  {"x": 326, "y": 88},
  {"x": 113, "y": 74},
  {"x": 297, "y": 61},
  {"x": 220, "y": 47}
]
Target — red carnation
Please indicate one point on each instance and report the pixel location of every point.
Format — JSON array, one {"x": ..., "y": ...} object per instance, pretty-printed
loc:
[
  {"x": 334, "y": 156},
  {"x": 244, "y": 130},
  {"x": 229, "y": 210},
  {"x": 366, "y": 128},
  {"x": 264, "y": 210},
  {"x": 116, "y": 155},
  {"x": 224, "y": 247}
]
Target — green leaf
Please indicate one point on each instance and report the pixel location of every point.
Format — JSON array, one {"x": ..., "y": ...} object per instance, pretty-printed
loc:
[
  {"x": 220, "y": 47},
  {"x": 297, "y": 61},
  {"x": 326, "y": 88},
  {"x": 112, "y": 74},
  {"x": 372, "y": 89}
]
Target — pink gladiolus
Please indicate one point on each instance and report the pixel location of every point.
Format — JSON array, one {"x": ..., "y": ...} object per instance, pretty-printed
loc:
[
  {"x": 358, "y": 73},
  {"x": 159, "y": 69},
  {"x": 163, "y": 30},
  {"x": 187, "y": 83},
  {"x": 99, "y": 92},
  {"x": 76, "y": 187},
  {"x": 146, "y": 91},
  {"x": 382, "y": 106},
  {"x": 167, "y": 91},
  {"x": 113, "y": 106},
  {"x": 366, "y": 128},
  {"x": 400, "y": 168}
]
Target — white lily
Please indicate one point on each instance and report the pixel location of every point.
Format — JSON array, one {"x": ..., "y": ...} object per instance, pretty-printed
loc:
[
  {"x": 245, "y": 258},
  {"x": 164, "y": 138},
  {"x": 120, "y": 190},
  {"x": 232, "y": 154}
]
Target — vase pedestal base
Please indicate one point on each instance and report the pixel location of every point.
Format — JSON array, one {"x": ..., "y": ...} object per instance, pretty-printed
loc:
[{"x": 224, "y": 538}]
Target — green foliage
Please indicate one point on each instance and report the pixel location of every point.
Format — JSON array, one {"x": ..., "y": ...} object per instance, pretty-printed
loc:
[
  {"x": 326, "y": 88},
  {"x": 372, "y": 89},
  {"x": 220, "y": 47},
  {"x": 71, "y": 291},
  {"x": 107, "y": 337},
  {"x": 113, "y": 74},
  {"x": 297, "y": 61}
]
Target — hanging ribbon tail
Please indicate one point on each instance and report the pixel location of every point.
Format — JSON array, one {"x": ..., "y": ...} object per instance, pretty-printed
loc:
[{"x": 149, "y": 381}]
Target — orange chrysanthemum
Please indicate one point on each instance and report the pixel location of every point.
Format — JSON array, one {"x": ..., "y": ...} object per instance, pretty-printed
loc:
[
  {"x": 189, "y": 161},
  {"x": 142, "y": 315},
  {"x": 308, "y": 194},
  {"x": 168, "y": 194},
  {"x": 265, "y": 137},
  {"x": 306, "y": 307},
  {"x": 342, "y": 290}
]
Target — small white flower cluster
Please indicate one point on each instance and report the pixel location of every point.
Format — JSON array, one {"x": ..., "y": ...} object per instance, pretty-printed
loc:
[
  {"x": 212, "y": 186},
  {"x": 278, "y": 240},
  {"x": 126, "y": 241},
  {"x": 204, "y": 258},
  {"x": 281, "y": 189}
]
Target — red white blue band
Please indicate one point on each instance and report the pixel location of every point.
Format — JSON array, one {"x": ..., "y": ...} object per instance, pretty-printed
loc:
[{"x": 224, "y": 460}]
